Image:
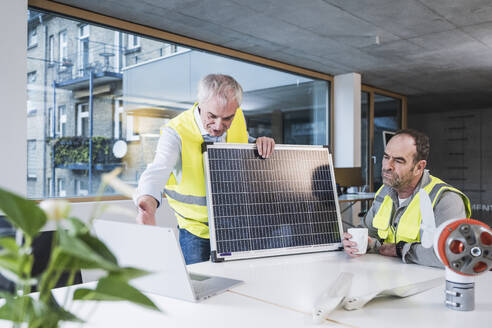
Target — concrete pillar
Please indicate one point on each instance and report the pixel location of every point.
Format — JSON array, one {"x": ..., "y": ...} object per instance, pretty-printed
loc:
[
  {"x": 13, "y": 81},
  {"x": 347, "y": 123}
]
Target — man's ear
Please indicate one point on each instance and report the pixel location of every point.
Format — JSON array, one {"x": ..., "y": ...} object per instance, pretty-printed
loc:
[{"x": 421, "y": 166}]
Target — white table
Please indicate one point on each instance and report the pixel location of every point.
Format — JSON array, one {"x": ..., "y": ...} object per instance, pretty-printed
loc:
[{"x": 281, "y": 292}]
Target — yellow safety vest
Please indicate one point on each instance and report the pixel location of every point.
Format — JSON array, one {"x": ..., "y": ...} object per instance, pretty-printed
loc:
[
  {"x": 408, "y": 229},
  {"x": 188, "y": 198}
]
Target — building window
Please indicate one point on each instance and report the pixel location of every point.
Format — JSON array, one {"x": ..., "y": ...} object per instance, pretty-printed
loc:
[
  {"x": 84, "y": 51},
  {"x": 133, "y": 41},
  {"x": 131, "y": 135},
  {"x": 51, "y": 49},
  {"x": 61, "y": 189},
  {"x": 62, "y": 121},
  {"x": 63, "y": 48},
  {"x": 117, "y": 52},
  {"x": 49, "y": 187},
  {"x": 118, "y": 119},
  {"x": 31, "y": 159},
  {"x": 81, "y": 188},
  {"x": 32, "y": 38},
  {"x": 31, "y": 77},
  {"x": 84, "y": 31},
  {"x": 83, "y": 120},
  {"x": 31, "y": 109},
  {"x": 50, "y": 131}
]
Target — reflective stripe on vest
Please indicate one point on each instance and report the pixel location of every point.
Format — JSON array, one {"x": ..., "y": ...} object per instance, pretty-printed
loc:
[
  {"x": 188, "y": 198},
  {"x": 409, "y": 224}
]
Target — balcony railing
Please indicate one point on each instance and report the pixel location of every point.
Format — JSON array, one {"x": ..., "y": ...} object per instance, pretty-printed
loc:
[
  {"x": 99, "y": 57},
  {"x": 73, "y": 153}
]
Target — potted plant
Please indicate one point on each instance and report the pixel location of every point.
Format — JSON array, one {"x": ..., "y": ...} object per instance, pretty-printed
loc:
[{"x": 74, "y": 248}]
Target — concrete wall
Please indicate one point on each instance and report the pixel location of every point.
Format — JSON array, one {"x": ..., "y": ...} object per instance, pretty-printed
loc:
[
  {"x": 13, "y": 135},
  {"x": 461, "y": 154}
]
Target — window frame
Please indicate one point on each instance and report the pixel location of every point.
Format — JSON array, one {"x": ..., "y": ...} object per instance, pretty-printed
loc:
[
  {"x": 133, "y": 41},
  {"x": 61, "y": 123},
  {"x": 30, "y": 75},
  {"x": 62, "y": 48},
  {"x": 61, "y": 190},
  {"x": 80, "y": 116},
  {"x": 179, "y": 40},
  {"x": 51, "y": 49},
  {"x": 32, "y": 38},
  {"x": 31, "y": 175}
]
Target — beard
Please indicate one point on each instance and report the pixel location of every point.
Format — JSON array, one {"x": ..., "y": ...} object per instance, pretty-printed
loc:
[{"x": 395, "y": 181}]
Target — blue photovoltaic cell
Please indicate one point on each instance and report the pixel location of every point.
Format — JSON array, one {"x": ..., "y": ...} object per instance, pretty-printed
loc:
[{"x": 286, "y": 200}]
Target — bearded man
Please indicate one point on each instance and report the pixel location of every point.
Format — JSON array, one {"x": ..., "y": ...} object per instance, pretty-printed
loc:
[{"x": 395, "y": 219}]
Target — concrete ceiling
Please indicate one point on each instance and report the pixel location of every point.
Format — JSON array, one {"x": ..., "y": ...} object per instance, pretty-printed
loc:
[{"x": 437, "y": 52}]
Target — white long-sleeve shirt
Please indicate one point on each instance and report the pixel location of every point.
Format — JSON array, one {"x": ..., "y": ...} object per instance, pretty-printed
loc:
[{"x": 167, "y": 160}]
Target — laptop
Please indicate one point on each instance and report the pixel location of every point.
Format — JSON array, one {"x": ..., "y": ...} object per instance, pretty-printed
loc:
[{"x": 157, "y": 250}]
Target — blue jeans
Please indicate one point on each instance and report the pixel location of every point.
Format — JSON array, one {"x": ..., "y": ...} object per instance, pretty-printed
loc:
[{"x": 195, "y": 249}]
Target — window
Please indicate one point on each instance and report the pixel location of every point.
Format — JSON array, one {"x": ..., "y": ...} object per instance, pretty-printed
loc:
[
  {"x": 83, "y": 120},
  {"x": 133, "y": 41},
  {"x": 32, "y": 38},
  {"x": 31, "y": 159},
  {"x": 118, "y": 119},
  {"x": 81, "y": 188},
  {"x": 62, "y": 192},
  {"x": 49, "y": 186},
  {"x": 84, "y": 51},
  {"x": 31, "y": 109},
  {"x": 63, "y": 48},
  {"x": 51, "y": 49},
  {"x": 62, "y": 121},
  {"x": 50, "y": 125},
  {"x": 31, "y": 77},
  {"x": 131, "y": 135},
  {"x": 117, "y": 51},
  {"x": 84, "y": 31},
  {"x": 134, "y": 102}
]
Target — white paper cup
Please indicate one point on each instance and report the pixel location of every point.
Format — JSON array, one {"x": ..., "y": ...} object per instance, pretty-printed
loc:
[{"x": 360, "y": 237}]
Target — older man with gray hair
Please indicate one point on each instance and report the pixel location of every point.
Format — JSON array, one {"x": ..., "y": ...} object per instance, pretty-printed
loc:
[{"x": 177, "y": 168}]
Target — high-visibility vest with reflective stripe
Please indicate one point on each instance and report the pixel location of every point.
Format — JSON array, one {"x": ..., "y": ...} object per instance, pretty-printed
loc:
[
  {"x": 188, "y": 198},
  {"x": 408, "y": 228}
]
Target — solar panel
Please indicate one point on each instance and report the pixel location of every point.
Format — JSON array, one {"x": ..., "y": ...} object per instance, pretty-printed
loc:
[{"x": 282, "y": 205}]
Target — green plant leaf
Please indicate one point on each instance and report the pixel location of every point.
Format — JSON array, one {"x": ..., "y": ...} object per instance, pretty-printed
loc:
[
  {"x": 77, "y": 227},
  {"x": 64, "y": 261},
  {"x": 49, "y": 314},
  {"x": 22, "y": 213},
  {"x": 16, "y": 309},
  {"x": 9, "y": 244},
  {"x": 128, "y": 273},
  {"x": 15, "y": 263},
  {"x": 10, "y": 255},
  {"x": 111, "y": 289},
  {"x": 77, "y": 248}
]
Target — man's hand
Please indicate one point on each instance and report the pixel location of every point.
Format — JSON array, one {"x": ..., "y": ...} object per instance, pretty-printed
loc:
[
  {"x": 146, "y": 210},
  {"x": 350, "y": 247},
  {"x": 265, "y": 146},
  {"x": 387, "y": 250}
]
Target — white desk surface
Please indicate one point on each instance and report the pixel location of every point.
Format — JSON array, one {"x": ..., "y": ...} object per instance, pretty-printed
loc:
[
  {"x": 281, "y": 292},
  {"x": 360, "y": 196}
]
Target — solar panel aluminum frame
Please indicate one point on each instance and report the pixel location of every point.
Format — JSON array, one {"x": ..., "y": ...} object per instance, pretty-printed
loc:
[{"x": 216, "y": 257}]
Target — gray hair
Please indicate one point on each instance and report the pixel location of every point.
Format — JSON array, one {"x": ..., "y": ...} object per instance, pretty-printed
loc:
[{"x": 223, "y": 87}]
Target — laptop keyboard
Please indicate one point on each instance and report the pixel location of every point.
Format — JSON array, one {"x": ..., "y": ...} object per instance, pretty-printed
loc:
[
  {"x": 200, "y": 288},
  {"x": 197, "y": 277}
]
